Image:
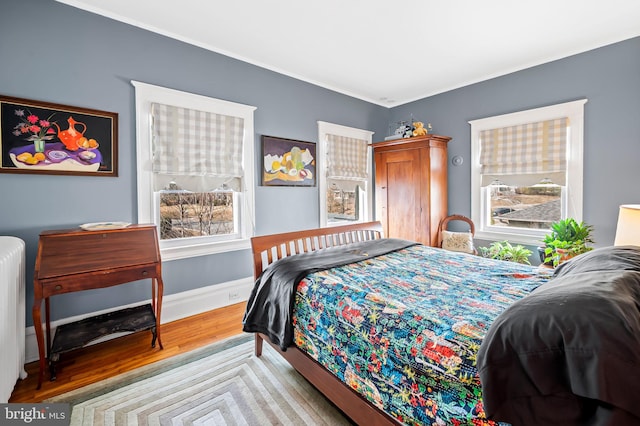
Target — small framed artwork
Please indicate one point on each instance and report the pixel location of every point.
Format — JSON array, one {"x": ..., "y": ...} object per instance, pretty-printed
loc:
[
  {"x": 43, "y": 137},
  {"x": 288, "y": 162}
]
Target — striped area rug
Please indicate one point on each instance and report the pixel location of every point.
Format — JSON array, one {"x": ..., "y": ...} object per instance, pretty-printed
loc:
[{"x": 221, "y": 384}]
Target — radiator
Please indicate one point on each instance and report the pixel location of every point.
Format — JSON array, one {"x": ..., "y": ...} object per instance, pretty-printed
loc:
[{"x": 12, "y": 314}]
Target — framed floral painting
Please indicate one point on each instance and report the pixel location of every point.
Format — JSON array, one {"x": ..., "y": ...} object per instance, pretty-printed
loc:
[
  {"x": 43, "y": 137},
  {"x": 288, "y": 162}
]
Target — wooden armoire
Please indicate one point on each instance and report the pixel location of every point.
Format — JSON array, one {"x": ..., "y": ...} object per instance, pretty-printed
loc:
[{"x": 411, "y": 187}]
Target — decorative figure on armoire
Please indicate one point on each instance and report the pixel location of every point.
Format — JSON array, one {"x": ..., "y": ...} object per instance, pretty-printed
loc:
[{"x": 419, "y": 129}]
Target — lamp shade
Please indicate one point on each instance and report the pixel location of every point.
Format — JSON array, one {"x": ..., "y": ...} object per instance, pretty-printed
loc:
[{"x": 628, "y": 231}]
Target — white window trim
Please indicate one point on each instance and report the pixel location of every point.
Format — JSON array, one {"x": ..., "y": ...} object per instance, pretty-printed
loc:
[
  {"x": 571, "y": 205},
  {"x": 324, "y": 129},
  {"x": 146, "y": 94}
]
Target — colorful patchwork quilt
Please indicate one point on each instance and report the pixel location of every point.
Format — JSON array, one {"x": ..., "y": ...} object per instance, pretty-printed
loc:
[{"x": 403, "y": 329}]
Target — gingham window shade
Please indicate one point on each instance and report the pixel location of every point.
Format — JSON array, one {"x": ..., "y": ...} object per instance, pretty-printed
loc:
[
  {"x": 346, "y": 158},
  {"x": 525, "y": 154},
  {"x": 198, "y": 150}
]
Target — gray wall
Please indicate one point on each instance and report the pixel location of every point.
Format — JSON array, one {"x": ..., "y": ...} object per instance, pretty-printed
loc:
[
  {"x": 608, "y": 77},
  {"x": 56, "y": 53}
]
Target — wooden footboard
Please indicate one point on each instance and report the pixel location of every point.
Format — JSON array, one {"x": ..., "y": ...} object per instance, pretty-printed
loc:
[
  {"x": 266, "y": 250},
  {"x": 269, "y": 248}
]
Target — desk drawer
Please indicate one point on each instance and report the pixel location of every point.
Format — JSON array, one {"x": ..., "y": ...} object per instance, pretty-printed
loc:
[{"x": 98, "y": 279}]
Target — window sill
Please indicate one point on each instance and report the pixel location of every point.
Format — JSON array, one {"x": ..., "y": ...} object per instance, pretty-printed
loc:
[
  {"x": 527, "y": 240},
  {"x": 195, "y": 250},
  {"x": 340, "y": 222}
]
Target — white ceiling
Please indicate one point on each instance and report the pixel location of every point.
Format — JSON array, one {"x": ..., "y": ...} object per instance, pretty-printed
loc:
[{"x": 385, "y": 52}]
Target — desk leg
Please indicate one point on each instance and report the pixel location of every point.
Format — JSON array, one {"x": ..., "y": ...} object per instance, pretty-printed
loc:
[
  {"x": 51, "y": 361},
  {"x": 37, "y": 324},
  {"x": 158, "y": 305},
  {"x": 47, "y": 322},
  {"x": 154, "y": 286}
]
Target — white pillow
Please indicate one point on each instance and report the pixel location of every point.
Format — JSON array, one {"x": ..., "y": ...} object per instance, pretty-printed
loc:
[{"x": 457, "y": 241}]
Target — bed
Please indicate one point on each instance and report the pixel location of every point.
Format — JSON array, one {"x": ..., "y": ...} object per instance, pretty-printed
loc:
[{"x": 396, "y": 332}]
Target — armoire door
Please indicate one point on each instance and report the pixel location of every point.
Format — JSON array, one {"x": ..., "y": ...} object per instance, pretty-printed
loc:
[{"x": 399, "y": 198}]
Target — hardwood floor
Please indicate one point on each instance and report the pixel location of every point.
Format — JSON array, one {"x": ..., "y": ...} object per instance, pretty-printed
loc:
[{"x": 97, "y": 362}]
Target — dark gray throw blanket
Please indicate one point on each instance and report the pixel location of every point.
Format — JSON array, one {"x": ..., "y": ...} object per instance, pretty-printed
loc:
[
  {"x": 270, "y": 305},
  {"x": 569, "y": 351}
]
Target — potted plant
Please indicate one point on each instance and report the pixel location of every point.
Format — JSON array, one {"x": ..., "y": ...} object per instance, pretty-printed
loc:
[
  {"x": 503, "y": 250},
  {"x": 568, "y": 238}
]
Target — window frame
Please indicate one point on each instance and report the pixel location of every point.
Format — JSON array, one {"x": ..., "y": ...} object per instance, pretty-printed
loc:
[
  {"x": 324, "y": 129},
  {"x": 572, "y": 199},
  {"x": 145, "y": 94}
]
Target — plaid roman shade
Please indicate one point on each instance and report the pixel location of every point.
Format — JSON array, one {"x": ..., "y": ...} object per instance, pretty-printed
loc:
[
  {"x": 347, "y": 158},
  {"x": 346, "y": 162},
  {"x": 197, "y": 149},
  {"x": 525, "y": 154}
]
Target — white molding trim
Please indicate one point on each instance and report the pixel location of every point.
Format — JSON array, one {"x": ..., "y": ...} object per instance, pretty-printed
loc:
[
  {"x": 174, "y": 307},
  {"x": 145, "y": 95},
  {"x": 573, "y": 204},
  {"x": 325, "y": 128}
]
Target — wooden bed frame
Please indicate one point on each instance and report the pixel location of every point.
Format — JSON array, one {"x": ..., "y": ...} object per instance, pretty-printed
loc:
[{"x": 269, "y": 248}]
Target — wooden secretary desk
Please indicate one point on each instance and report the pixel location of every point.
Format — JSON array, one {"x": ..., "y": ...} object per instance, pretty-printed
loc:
[{"x": 76, "y": 259}]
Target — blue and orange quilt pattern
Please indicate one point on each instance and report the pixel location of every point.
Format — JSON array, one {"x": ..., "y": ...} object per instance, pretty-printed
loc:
[{"x": 403, "y": 329}]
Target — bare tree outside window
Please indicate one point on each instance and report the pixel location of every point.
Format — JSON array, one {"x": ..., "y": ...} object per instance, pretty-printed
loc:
[
  {"x": 342, "y": 204},
  {"x": 185, "y": 214}
]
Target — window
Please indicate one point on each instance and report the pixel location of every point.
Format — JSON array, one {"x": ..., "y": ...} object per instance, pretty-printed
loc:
[
  {"x": 195, "y": 159},
  {"x": 344, "y": 174},
  {"x": 526, "y": 171}
]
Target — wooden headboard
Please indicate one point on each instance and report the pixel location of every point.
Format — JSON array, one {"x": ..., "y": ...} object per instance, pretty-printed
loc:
[{"x": 269, "y": 248}]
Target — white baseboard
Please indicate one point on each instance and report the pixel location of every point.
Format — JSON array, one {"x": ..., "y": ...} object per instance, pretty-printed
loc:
[{"x": 174, "y": 307}]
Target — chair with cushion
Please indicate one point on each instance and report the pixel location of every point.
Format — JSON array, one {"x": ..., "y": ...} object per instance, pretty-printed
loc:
[{"x": 457, "y": 241}]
